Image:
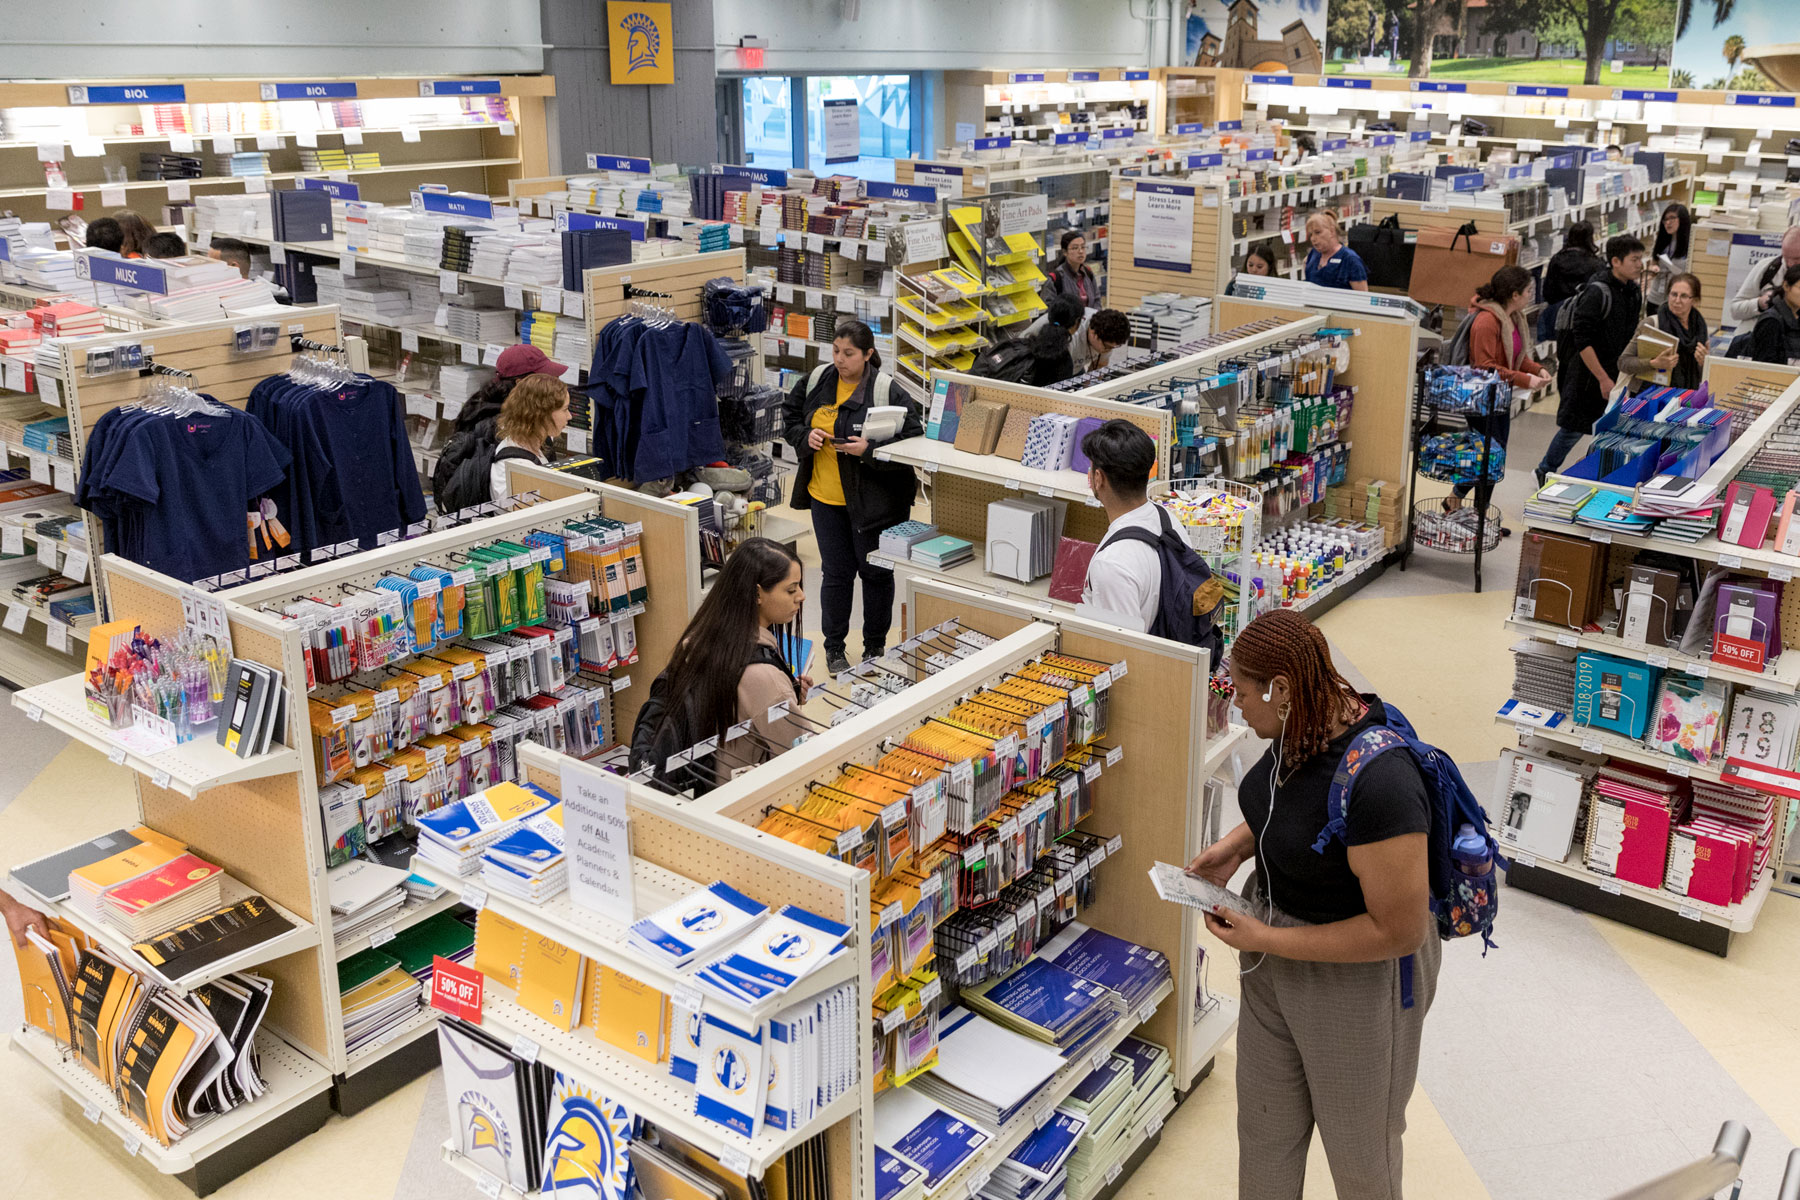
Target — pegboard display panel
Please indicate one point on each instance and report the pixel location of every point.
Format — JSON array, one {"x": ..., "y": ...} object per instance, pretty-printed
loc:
[
  {"x": 156, "y": 610},
  {"x": 959, "y": 506},
  {"x": 1127, "y": 283},
  {"x": 1724, "y": 374},
  {"x": 298, "y": 1005},
  {"x": 1151, "y": 797},
  {"x": 1790, "y": 616},
  {"x": 671, "y": 545},
  {"x": 680, "y": 277},
  {"x": 254, "y": 829}
]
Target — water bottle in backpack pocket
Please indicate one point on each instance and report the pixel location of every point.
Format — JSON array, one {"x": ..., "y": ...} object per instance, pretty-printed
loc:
[{"x": 1473, "y": 901}]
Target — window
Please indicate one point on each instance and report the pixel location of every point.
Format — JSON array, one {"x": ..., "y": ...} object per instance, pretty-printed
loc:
[
  {"x": 769, "y": 121},
  {"x": 884, "y": 117}
]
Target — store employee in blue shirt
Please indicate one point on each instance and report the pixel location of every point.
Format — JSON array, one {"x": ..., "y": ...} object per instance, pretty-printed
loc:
[{"x": 1331, "y": 263}]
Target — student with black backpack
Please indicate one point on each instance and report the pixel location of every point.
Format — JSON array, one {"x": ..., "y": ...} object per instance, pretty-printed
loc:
[
  {"x": 1144, "y": 575},
  {"x": 727, "y": 669}
]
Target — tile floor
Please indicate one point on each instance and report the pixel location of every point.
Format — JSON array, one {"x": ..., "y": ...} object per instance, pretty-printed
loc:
[{"x": 1578, "y": 1058}]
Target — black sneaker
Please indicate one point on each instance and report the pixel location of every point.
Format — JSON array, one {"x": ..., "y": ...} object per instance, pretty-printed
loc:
[
  {"x": 837, "y": 664},
  {"x": 1541, "y": 474}
]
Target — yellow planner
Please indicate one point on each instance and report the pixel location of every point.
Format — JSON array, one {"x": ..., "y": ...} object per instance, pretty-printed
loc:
[
  {"x": 500, "y": 947},
  {"x": 550, "y": 981},
  {"x": 628, "y": 1014}
]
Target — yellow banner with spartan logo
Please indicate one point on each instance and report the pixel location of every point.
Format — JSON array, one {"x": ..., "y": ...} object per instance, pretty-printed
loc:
[{"x": 642, "y": 37}]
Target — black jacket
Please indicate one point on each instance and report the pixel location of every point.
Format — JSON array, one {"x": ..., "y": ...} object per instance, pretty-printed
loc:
[
  {"x": 878, "y": 494},
  {"x": 1775, "y": 338},
  {"x": 1609, "y": 330},
  {"x": 1063, "y": 282},
  {"x": 1051, "y": 360},
  {"x": 1687, "y": 370},
  {"x": 1567, "y": 270}
]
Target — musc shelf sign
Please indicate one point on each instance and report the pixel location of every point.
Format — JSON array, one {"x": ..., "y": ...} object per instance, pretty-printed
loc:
[{"x": 133, "y": 273}]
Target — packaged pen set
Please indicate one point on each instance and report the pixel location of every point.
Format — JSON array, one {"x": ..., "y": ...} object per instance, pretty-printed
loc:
[
  {"x": 968, "y": 827},
  {"x": 174, "y": 685}
]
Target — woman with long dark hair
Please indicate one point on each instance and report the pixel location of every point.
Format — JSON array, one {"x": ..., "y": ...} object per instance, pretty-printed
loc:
[
  {"x": 1072, "y": 277},
  {"x": 726, "y": 668},
  {"x": 1568, "y": 271},
  {"x": 1339, "y": 960},
  {"x": 1497, "y": 343},
  {"x": 136, "y": 233},
  {"x": 851, "y": 494},
  {"x": 1672, "y": 244}
]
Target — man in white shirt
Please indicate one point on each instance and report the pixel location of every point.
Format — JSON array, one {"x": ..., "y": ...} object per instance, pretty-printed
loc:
[
  {"x": 1124, "y": 578},
  {"x": 1092, "y": 342},
  {"x": 1754, "y": 293}
]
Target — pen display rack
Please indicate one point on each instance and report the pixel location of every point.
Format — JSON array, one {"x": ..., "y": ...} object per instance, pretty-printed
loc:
[{"x": 671, "y": 545}]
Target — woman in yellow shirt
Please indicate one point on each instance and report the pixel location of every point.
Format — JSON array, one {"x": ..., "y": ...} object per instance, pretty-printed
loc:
[{"x": 852, "y": 496}]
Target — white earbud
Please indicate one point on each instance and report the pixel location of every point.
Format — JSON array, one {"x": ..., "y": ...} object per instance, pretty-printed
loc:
[{"x": 1267, "y": 696}]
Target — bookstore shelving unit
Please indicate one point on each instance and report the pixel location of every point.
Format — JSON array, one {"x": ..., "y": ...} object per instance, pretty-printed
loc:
[
  {"x": 1709, "y": 927},
  {"x": 473, "y": 134},
  {"x": 206, "y": 351},
  {"x": 1037, "y": 104}
]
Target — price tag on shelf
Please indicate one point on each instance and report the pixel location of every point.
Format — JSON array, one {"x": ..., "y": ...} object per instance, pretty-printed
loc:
[
  {"x": 1680, "y": 768},
  {"x": 1688, "y": 911},
  {"x": 448, "y": 282},
  {"x": 91, "y": 1111},
  {"x": 382, "y": 937},
  {"x": 988, "y": 944},
  {"x": 687, "y": 998},
  {"x": 34, "y": 712},
  {"x": 475, "y": 897},
  {"x": 132, "y": 1145},
  {"x": 46, "y": 553},
  {"x": 1090, "y": 772},
  {"x": 523, "y": 1047},
  {"x": 1114, "y": 844},
  {"x": 75, "y": 565},
  {"x": 1611, "y": 887},
  {"x": 892, "y": 1019},
  {"x": 1600, "y": 535},
  {"x": 512, "y": 295},
  {"x": 1731, "y": 560},
  {"x": 849, "y": 840},
  {"x": 1567, "y": 639},
  {"x": 40, "y": 468},
  {"x": 1115, "y": 756},
  {"x": 965, "y": 962},
  {"x": 116, "y": 755},
  {"x": 488, "y": 1186},
  {"x": 16, "y": 615},
  {"x": 1592, "y": 746},
  {"x": 574, "y": 304},
  {"x": 1101, "y": 1056},
  {"x": 56, "y": 636},
  {"x": 894, "y": 814},
  {"x": 736, "y": 1160},
  {"x": 1657, "y": 660},
  {"x": 931, "y": 991},
  {"x": 979, "y": 1180},
  {"x": 1784, "y": 574},
  {"x": 1699, "y": 667},
  {"x": 1153, "y": 1126},
  {"x": 892, "y": 913}
]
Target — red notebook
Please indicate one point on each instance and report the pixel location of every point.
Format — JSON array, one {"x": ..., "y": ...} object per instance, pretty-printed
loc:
[
  {"x": 1069, "y": 574},
  {"x": 1644, "y": 857},
  {"x": 164, "y": 883}
]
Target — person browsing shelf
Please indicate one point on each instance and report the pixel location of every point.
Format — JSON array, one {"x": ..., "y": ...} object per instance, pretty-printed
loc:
[
  {"x": 1567, "y": 272},
  {"x": 1605, "y": 322},
  {"x": 515, "y": 363},
  {"x": 104, "y": 233},
  {"x": 1680, "y": 319},
  {"x": 727, "y": 666},
  {"x": 165, "y": 245},
  {"x": 1775, "y": 338},
  {"x": 231, "y": 250},
  {"x": 1259, "y": 261},
  {"x": 136, "y": 233},
  {"x": 1051, "y": 360},
  {"x": 19, "y": 918},
  {"x": 851, "y": 494},
  {"x": 1758, "y": 290},
  {"x": 1671, "y": 244},
  {"x": 1338, "y": 964},
  {"x": 535, "y": 411},
  {"x": 1124, "y": 577},
  {"x": 1330, "y": 263},
  {"x": 1073, "y": 277},
  {"x": 1497, "y": 343}
]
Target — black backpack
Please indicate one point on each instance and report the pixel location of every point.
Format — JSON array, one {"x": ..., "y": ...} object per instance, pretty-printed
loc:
[
  {"x": 662, "y": 730},
  {"x": 1009, "y": 362},
  {"x": 461, "y": 477},
  {"x": 1190, "y": 593}
]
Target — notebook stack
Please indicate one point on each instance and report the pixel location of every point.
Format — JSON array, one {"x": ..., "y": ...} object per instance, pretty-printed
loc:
[
  {"x": 943, "y": 552},
  {"x": 1048, "y": 1003},
  {"x": 897, "y": 541},
  {"x": 377, "y": 994},
  {"x": 788, "y": 946},
  {"x": 1113, "y": 1133},
  {"x": 528, "y": 862},
  {"x": 167, "y": 892},
  {"x": 1612, "y": 512},
  {"x": 1558, "y": 502},
  {"x": 937, "y": 1141},
  {"x": 1544, "y": 675},
  {"x": 485, "y": 326},
  {"x": 1631, "y": 814},
  {"x": 708, "y": 920},
  {"x": 1134, "y": 972},
  {"x": 1038, "y": 1168},
  {"x": 807, "y": 1070},
  {"x": 240, "y": 163},
  {"x": 985, "y": 1069},
  {"x": 499, "y": 1103},
  {"x": 52, "y": 270},
  {"x": 1050, "y": 442},
  {"x": 66, "y": 318},
  {"x": 455, "y": 836},
  {"x": 1022, "y": 536},
  {"x": 442, "y": 935},
  {"x": 365, "y": 896},
  {"x": 162, "y": 165},
  {"x": 322, "y": 159}
]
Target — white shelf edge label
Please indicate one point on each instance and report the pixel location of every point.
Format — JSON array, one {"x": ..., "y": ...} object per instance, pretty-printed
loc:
[
  {"x": 735, "y": 1159},
  {"x": 523, "y": 1047}
]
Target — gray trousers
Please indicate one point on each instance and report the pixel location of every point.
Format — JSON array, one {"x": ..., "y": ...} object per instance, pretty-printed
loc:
[{"x": 1328, "y": 1044}]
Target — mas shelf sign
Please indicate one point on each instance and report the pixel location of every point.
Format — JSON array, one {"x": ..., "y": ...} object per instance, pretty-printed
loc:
[
  {"x": 641, "y": 38},
  {"x": 1162, "y": 234}
]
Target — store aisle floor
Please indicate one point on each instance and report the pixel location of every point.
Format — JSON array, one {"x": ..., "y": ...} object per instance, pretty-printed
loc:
[{"x": 1576, "y": 1059}]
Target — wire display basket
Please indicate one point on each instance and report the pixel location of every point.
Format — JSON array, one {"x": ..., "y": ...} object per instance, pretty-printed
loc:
[
  {"x": 1454, "y": 532},
  {"x": 1465, "y": 389},
  {"x": 1460, "y": 457},
  {"x": 752, "y": 417}
]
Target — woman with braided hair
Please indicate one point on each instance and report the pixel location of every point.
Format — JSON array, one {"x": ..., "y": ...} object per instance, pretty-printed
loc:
[{"x": 1340, "y": 962}]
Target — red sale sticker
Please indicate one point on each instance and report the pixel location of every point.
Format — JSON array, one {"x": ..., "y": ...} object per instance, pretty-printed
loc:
[{"x": 456, "y": 989}]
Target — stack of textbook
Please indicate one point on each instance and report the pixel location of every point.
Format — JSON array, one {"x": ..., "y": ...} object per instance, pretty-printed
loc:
[
  {"x": 1132, "y": 971},
  {"x": 706, "y": 921},
  {"x": 1137, "y": 1085},
  {"x": 1038, "y": 1169}
]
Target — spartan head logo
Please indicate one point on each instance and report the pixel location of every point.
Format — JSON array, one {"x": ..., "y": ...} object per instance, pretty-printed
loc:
[{"x": 643, "y": 42}]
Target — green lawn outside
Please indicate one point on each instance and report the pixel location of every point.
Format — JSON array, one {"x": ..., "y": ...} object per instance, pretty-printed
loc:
[{"x": 1524, "y": 70}]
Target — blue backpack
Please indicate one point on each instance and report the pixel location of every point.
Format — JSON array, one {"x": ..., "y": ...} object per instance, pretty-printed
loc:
[
  {"x": 1191, "y": 596},
  {"x": 1463, "y": 904}
]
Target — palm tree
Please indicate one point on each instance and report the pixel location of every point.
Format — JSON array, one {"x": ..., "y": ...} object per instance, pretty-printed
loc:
[
  {"x": 1733, "y": 51},
  {"x": 1722, "y": 10},
  {"x": 1681, "y": 79}
]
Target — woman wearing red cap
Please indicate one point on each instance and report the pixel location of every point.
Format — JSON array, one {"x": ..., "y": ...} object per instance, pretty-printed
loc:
[{"x": 514, "y": 364}]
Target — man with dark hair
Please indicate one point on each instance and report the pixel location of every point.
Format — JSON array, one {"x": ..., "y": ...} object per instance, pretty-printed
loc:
[
  {"x": 233, "y": 251},
  {"x": 1124, "y": 578},
  {"x": 1098, "y": 337},
  {"x": 165, "y": 245},
  {"x": 104, "y": 233},
  {"x": 1606, "y": 315}
]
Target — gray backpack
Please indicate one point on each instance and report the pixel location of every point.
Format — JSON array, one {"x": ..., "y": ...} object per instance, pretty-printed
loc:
[{"x": 1565, "y": 316}]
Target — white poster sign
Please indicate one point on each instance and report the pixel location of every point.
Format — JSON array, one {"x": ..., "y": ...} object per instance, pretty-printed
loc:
[
  {"x": 1162, "y": 234},
  {"x": 1749, "y": 251},
  {"x": 1024, "y": 214},
  {"x": 947, "y": 180},
  {"x": 597, "y": 833},
  {"x": 843, "y": 131}
]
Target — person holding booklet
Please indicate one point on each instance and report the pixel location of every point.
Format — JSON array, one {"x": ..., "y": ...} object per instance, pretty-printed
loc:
[{"x": 1338, "y": 958}]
